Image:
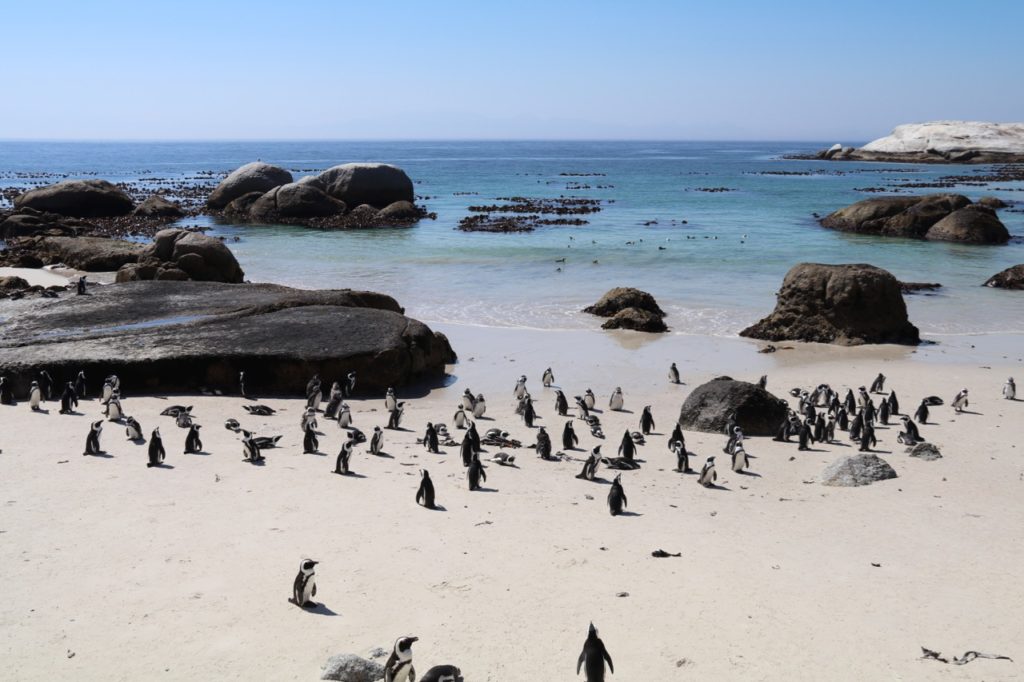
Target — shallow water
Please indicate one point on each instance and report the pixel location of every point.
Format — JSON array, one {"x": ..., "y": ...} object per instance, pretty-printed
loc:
[{"x": 714, "y": 275}]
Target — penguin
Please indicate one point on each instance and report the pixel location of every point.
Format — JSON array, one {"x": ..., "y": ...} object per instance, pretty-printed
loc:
[
  {"x": 251, "y": 449},
  {"x": 581, "y": 406},
  {"x": 616, "y": 402},
  {"x": 259, "y": 410},
  {"x": 68, "y": 399},
  {"x": 193, "y": 445},
  {"x": 1010, "y": 389},
  {"x": 395, "y": 416},
  {"x": 425, "y": 493},
  {"x": 528, "y": 413},
  {"x": 807, "y": 435},
  {"x": 430, "y": 440},
  {"x": 682, "y": 457},
  {"x": 308, "y": 419},
  {"x": 730, "y": 424},
  {"x": 474, "y": 437},
  {"x": 543, "y": 444},
  {"x": 856, "y": 426},
  {"x": 475, "y": 473},
  {"x": 849, "y": 402},
  {"x": 80, "y": 386},
  {"x": 869, "y": 411},
  {"x": 677, "y": 436},
  {"x": 819, "y": 428},
  {"x": 960, "y": 401},
  {"x": 399, "y": 665},
  {"x": 627, "y": 448},
  {"x": 593, "y": 657},
  {"x": 349, "y": 387},
  {"x": 862, "y": 397},
  {"x": 910, "y": 434},
  {"x": 304, "y": 587},
  {"x": 6, "y": 397},
  {"x": 735, "y": 438},
  {"x": 561, "y": 404},
  {"x": 548, "y": 378},
  {"x": 310, "y": 443},
  {"x": 92, "y": 441},
  {"x": 344, "y": 416},
  {"x": 867, "y": 438},
  {"x": 377, "y": 441},
  {"x": 878, "y": 385},
  {"x": 569, "y": 438},
  {"x": 739, "y": 459},
  {"x": 783, "y": 432},
  {"x": 114, "y": 411},
  {"x": 80, "y": 286},
  {"x": 468, "y": 401},
  {"x": 466, "y": 450},
  {"x": 157, "y": 454},
  {"x": 459, "y": 418},
  {"x": 107, "y": 391},
  {"x": 589, "y": 399},
  {"x": 35, "y": 396},
  {"x": 314, "y": 393},
  {"x": 830, "y": 429},
  {"x": 442, "y": 673},
  {"x": 617, "y": 497},
  {"x": 922, "y": 412},
  {"x": 46, "y": 384},
  {"x": 646, "y": 421},
  {"x": 172, "y": 411},
  {"x": 232, "y": 425},
  {"x": 590, "y": 465},
  {"x": 883, "y": 412},
  {"x": 390, "y": 402},
  {"x": 673, "y": 374},
  {"x": 842, "y": 419},
  {"x": 183, "y": 420},
  {"x": 132, "y": 429},
  {"x": 894, "y": 403},
  {"x": 341, "y": 463},
  {"x": 241, "y": 385},
  {"x": 479, "y": 406},
  {"x": 334, "y": 401},
  {"x": 708, "y": 475},
  {"x": 520, "y": 390}
]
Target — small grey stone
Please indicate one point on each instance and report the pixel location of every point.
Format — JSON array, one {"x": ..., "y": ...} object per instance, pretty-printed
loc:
[
  {"x": 925, "y": 451},
  {"x": 351, "y": 668},
  {"x": 378, "y": 652},
  {"x": 857, "y": 470}
]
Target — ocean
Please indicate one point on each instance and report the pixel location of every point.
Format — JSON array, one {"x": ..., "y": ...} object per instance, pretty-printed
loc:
[{"x": 714, "y": 274}]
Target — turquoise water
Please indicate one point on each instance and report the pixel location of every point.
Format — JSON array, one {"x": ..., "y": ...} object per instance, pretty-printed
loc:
[{"x": 718, "y": 280}]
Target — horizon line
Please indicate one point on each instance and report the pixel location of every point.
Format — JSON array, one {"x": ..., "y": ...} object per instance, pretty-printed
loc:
[{"x": 197, "y": 140}]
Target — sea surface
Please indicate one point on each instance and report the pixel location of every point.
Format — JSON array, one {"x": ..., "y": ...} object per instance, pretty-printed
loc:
[{"x": 714, "y": 274}]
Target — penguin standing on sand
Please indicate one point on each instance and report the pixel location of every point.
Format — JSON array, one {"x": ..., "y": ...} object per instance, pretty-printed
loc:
[
  {"x": 430, "y": 439},
  {"x": 304, "y": 587},
  {"x": 35, "y": 396},
  {"x": 1010, "y": 389},
  {"x": 569, "y": 438},
  {"x": 783, "y": 432},
  {"x": 390, "y": 402},
  {"x": 735, "y": 438},
  {"x": 314, "y": 393},
  {"x": 830, "y": 429},
  {"x": 682, "y": 457},
  {"x": 399, "y": 665},
  {"x": 627, "y": 448},
  {"x": 617, "y": 497},
  {"x": 92, "y": 441},
  {"x": 862, "y": 397},
  {"x": 910, "y": 434},
  {"x": 646, "y": 421},
  {"x": 68, "y": 399},
  {"x": 894, "y": 403},
  {"x": 459, "y": 418},
  {"x": 310, "y": 443},
  {"x": 581, "y": 406},
  {"x": 708, "y": 475},
  {"x": 590, "y": 465},
  {"x": 922, "y": 412},
  {"x": 348, "y": 388},
  {"x": 114, "y": 412},
  {"x": 475, "y": 473},
  {"x": 341, "y": 463},
  {"x": 250, "y": 449},
  {"x": 739, "y": 459},
  {"x": 856, "y": 426},
  {"x": 241, "y": 385},
  {"x": 6, "y": 397},
  {"x": 849, "y": 402},
  {"x": 589, "y": 399},
  {"x": 878, "y": 385},
  {"x": 842, "y": 419},
  {"x": 548, "y": 378},
  {"x": 867, "y": 438},
  {"x": 344, "y": 416},
  {"x": 673, "y": 374},
  {"x": 677, "y": 436},
  {"x": 193, "y": 445},
  {"x": 883, "y": 412},
  {"x": 593, "y": 657},
  {"x": 479, "y": 406},
  {"x": 377, "y": 441},
  {"x": 960, "y": 401},
  {"x": 520, "y": 390},
  {"x": 616, "y": 402},
  {"x": 334, "y": 401},
  {"x": 474, "y": 437},
  {"x": 308, "y": 419},
  {"x": 466, "y": 450},
  {"x": 425, "y": 493},
  {"x": 869, "y": 411},
  {"x": 395, "y": 416},
  {"x": 806, "y": 435},
  {"x": 46, "y": 384},
  {"x": 157, "y": 454},
  {"x": 80, "y": 386},
  {"x": 132, "y": 429},
  {"x": 561, "y": 404},
  {"x": 529, "y": 415},
  {"x": 819, "y": 428},
  {"x": 543, "y": 444}
]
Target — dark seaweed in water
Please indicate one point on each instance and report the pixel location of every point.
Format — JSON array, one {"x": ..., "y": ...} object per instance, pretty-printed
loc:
[
  {"x": 516, "y": 223},
  {"x": 559, "y": 206},
  {"x": 527, "y": 214}
]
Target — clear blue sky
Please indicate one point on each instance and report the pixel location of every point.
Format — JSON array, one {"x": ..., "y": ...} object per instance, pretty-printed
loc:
[{"x": 373, "y": 69}]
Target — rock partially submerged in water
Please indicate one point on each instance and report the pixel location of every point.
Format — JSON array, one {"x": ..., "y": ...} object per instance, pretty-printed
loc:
[
  {"x": 181, "y": 255},
  {"x": 376, "y": 184},
  {"x": 178, "y": 336},
  {"x": 252, "y": 177},
  {"x": 972, "y": 224},
  {"x": 709, "y": 407},
  {"x": 92, "y": 254},
  {"x": 636, "y": 320},
  {"x": 940, "y": 142},
  {"x": 843, "y": 304},
  {"x": 78, "y": 198},
  {"x": 1010, "y": 278},
  {"x": 294, "y": 200},
  {"x": 157, "y": 206},
  {"x": 857, "y": 470},
  {"x": 940, "y": 217},
  {"x": 629, "y": 308}
]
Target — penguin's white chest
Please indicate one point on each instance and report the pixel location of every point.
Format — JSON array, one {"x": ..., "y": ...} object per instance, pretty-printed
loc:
[{"x": 307, "y": 591}]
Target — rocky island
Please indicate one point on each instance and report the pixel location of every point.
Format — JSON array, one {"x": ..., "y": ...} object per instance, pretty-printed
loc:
[{"x": 939, "y": 142}]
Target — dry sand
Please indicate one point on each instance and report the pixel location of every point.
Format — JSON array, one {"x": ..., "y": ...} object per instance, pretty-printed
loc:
[{"x": 114, "y": 571}]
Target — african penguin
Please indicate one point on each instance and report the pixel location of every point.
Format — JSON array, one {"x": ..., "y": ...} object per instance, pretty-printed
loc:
[
  {"x": 543, "y": 444},
  {"x": 399, "y": 665},
  {"x": 589, "y": 399},
  {"x": 569, "y": 438},
  {"x": 561, "y": 404},
  {"x": 304, "y": 587},
  {"x": 442, "y": 673},
  {"x": 627, "y": 448},
  {"x": 922, "y": 412},
  {"x": 193, "y": 445},
  {"x": 68, "y": 399},
  {"x": 92, "y": 441},
  {"x": 548, "y": 378},
  {"x": 708, "y": 476},
  {"x": 682, "y": 457},
  {"x": 157, "y": 454},
  {"x": 479, "y": 406},
  {"x": 35, "y": 396},
  {"x": 739, "y": 459},
  {"x": 475, "y": 473},
  {"x": 344, "y": 416},
  {"x": 376, "y": 441},
  {"x": 430, "y": 440},
  {"x": 80, "y": 386},
  {"x": 593, "y": 657},
  {"x": 520, "y": 389},
  {"x": 617, "y": 497},
  {"x": 425, "y": 493},
  {"x": 341, "y": 463},
  {"x": 1010, "y": 389},
  {"x": 459, "y": 418},
  {"x": 646, "y": 421},
  {"x": 132, "y": 429},
  {"x": 960, "y": 401},
  {"x": 673, "y": 374},
  {"x": 390, "y": 402},
  {"x": 616, "y": 401}
]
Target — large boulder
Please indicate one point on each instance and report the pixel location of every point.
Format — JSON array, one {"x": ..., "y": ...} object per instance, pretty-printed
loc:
[
  {"x": 621, "y": 298},
  {"x": 179, "y": 336},
  {"x": 157, "y": 206},
  {"x": 92, "y": 254},
  {"x": 252, "y": 177},
  {"x": 971, "y": 225},
  {"x": 13, "y": 283},
  {"x": 637, "y": 320},
  {"x": 1010, "y": 278},
  {"x": 843, "y": 304},
  {"x": 177, "y": 254},
  {"x": 857, "y": 470},
  {"x": 377, "y": 184},
  {"x": 709, "y": 407},
  {"x": 895, "y": 216},
  {"x": 351, "y": 668},
  {"x": 295, "y": 200},
  {"x": 79, "y": 198}
]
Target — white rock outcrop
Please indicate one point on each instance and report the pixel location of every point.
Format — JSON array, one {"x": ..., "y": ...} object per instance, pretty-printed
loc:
[{"x": 950, "y": 137}]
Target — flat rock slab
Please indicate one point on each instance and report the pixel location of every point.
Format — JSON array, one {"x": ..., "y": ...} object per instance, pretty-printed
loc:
[{"x": 178, "y": 336}]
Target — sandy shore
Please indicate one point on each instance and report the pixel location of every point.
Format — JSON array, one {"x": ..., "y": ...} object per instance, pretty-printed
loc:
[{"x": 115, "y": 571}]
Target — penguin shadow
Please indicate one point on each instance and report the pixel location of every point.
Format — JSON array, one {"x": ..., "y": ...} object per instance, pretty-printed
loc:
[
  {"x": 383, "y": 455},
  {"x": 484, "y": 419},
  {"x": 137, "y": 441},
  {"x": 482, "y": 489},
  {"x": 748, "y": 473},
  {"x": 317, "y": 453},
  {"x": 104, "y": 454},
  {"x": 969, "y": 412},
  {"x": 350, "y": 474},
  {"x": 622, "y": 411},
  {"x": 41, "y": 411},
  {"x": 318, "y": 608},
  {"x": 162, "y": 466},
  {"x": 817, "y": 449},
  {"x": 398, "y": 428},
  {"x": 436, "y": 507},
  {"x": 629, "y": 513},
  {"x": 202, "y": 453},
  {"x": 716, "y": 486}
]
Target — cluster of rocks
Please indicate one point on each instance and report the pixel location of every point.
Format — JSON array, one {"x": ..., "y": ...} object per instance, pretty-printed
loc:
[
  {"x": 843, "y": 304},
  {"x": 345, "y": 196},
  {"x": 629, "y": 308},
  {"x": 939, "y": 217},
  {"x": 1010, "y": 278},
  {"x": 181, "y": 255}
]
